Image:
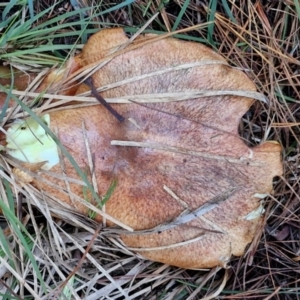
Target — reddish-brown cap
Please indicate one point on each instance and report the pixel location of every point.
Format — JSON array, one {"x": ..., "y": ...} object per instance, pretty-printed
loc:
[{"x": 178, "y": 158}]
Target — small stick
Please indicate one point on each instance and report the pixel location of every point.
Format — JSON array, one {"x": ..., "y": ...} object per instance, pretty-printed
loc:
[{"x": 89, "y": 82}]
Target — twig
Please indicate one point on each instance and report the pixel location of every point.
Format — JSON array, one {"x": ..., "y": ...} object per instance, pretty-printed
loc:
[{"x": 89, "y": 82}]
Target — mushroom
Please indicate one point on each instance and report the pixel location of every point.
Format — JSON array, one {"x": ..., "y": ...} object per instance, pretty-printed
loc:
[{"x": 186, "y": 182}]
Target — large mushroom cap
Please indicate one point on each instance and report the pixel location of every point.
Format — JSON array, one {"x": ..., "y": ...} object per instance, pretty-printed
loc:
[{"x": 171, "y": 160}]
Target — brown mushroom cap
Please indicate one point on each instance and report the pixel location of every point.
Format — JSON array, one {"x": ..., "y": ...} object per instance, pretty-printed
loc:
[{"x": 190, "y": 148}]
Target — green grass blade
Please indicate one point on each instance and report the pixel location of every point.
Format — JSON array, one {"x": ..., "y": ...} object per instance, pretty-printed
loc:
[
  {"x": 43, "y": 48},
  {"x": 106, "y": 197},
  {"x": 66, "y": 293},
  {"x": 41, "y": 37},
  {"x": 3, "y": 24},
  {"x": 17, "y": 29},
  {"x": 4, "y": 247},
  {"x": 5, "y": 107},
  {"x": 228, "y": 11},
  {"x": 146, "y": 8},
  {"x": 9, "y": 194},
  {"x": 39, "y": 16},
  {"x": 211, "y": 20},
  {"x": 27, "y": 245},
  {"x": 8, "y": 7},
  {"x": 109, "y": 192},
  {"x": 77, "y": 12},
  {"x": 116, "y": 7},
  {"x": 57, "y": 19},
  {"x": 5, "y": 37},
  {"x": 180, "y": 15},
  {"x": 40, "y": 59},
  {"x": 31, "y": 11},
  {"x": 43, "y": 32},
  {"x": 297, "y": 5}
]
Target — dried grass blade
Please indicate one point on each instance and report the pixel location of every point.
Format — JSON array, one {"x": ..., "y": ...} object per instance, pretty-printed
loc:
[
  {"x": 102, "y": 270},
  {"x": 137, "y": 269},
  {"x": 185, "y": 151},
  {"x": 188, "y": 217}
]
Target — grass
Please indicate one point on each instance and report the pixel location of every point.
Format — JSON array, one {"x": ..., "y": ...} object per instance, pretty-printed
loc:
[{"x": 42, "y": 256}]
